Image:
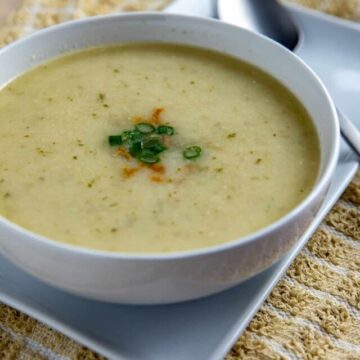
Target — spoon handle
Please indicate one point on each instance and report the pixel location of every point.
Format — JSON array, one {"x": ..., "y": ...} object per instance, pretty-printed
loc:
[{"x": 349, "y": 131}]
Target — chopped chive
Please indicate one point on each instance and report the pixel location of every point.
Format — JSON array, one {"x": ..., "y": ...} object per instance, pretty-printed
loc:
[
  {"x": 192, "y": 152},
  {"x": 165, "y": 130},
  {"x": 155, "y": 145},
  {"x": 136, "y": 135},
  {"x": 135, "y": 148},
  {"x": 148, "y": 157},
  {"x": 145, "y": 128},
  {"x": 126, "y": 136},
  {"x": 115, "y": 140},
  {"x": 145, "y": 142}
]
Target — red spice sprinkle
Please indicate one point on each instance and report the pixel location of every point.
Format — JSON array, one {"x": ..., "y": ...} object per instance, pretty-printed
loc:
[
  {"x": 137, "y": 119},
  {"x": 155, "y": 118},
  {"x": 158, "y": 168},
  {"x": 157, "y": 179},
  {"x": 128, "y": 172},
  {"x": 124, "y": 153}
]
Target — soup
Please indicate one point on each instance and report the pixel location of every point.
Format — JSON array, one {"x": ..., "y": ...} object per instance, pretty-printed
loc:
[{"x": 151, "y": 148}]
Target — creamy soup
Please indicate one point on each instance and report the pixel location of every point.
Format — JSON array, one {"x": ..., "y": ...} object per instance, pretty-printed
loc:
[{"x": 231, "y": 149}]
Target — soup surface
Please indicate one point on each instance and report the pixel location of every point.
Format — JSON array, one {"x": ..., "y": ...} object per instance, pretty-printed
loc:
[{"x": 60, "y": 177}]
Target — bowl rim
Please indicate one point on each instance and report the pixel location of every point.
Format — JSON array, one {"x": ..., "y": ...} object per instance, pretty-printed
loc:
[{"x": 319, "y": 186}]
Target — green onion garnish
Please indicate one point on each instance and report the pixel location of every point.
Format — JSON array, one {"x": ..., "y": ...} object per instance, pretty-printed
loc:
[
  {"x": 135, "y": 148},
  {"x": 192, "y": 152},
  {"x": 126, "y": 136},
  {"x": 148, "y": 157},
  {"x": 145, "y": 128},
  {"x": 145, "y": 142},
  {"x": 165, "y": 130},
  {"x": 155, "y": 145},
  {"x": 136, "y": 135},
  {"x": 115, "y": 140}
]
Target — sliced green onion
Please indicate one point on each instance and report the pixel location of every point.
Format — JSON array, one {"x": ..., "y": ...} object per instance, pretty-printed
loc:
[
  {"x": 136, "y": 135},
  {"x": 135, "y": 148},
  {"x": 145, "y": 128},
  {"x": 145, "y": 142},
  {"x": 126, "y": 135},
  {"x": 192, "y": 152},
  {"x": 148, "y": 157},
  {"x": 155, "y": 145},
  {"x": 115, "y": 140},
  {"x": 165, "y": 130}
]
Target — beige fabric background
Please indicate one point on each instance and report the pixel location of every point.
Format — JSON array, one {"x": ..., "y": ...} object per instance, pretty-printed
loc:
[{"x": 313, "y": 313}]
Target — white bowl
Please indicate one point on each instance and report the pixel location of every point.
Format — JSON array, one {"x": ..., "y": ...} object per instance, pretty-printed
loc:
[{"x": 166, "y": 278}]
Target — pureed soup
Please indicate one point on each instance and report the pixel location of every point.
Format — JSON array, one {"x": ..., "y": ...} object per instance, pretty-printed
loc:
[{"x": 151, "y": 148}]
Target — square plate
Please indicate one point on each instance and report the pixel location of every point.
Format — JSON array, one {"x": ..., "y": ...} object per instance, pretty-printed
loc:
[{"x": 203, "y": 329}]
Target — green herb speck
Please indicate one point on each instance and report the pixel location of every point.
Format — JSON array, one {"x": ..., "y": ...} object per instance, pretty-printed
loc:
[
  {"x": 148, "y": 157},
  {"x": 145, "y": 128},
  {"x": 165, "y": 130},
  {"x": 115, "y": 140},
  {"x": 192, "y": 152},
  {"x": 40, "y": 151}
]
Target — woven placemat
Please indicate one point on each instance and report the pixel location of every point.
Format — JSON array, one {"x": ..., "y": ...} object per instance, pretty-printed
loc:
[{"x": 313, "y": 313}]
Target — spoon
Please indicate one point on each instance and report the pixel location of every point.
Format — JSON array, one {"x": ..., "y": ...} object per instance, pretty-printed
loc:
[{"x": 273, "y": 20}]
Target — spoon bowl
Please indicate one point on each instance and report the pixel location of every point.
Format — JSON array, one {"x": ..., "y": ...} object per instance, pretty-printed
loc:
[{"x": 265, "y": 17}]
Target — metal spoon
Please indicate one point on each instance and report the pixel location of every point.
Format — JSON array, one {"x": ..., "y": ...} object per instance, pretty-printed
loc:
[{"x": 271, "y": 19}]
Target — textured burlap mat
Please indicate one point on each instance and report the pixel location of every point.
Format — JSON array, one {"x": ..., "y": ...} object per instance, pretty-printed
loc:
[{"x": 313, "y": 313}]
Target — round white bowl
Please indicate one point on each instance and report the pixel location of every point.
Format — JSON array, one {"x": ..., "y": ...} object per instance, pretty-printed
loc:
[{"x": 166, "y": 278}]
